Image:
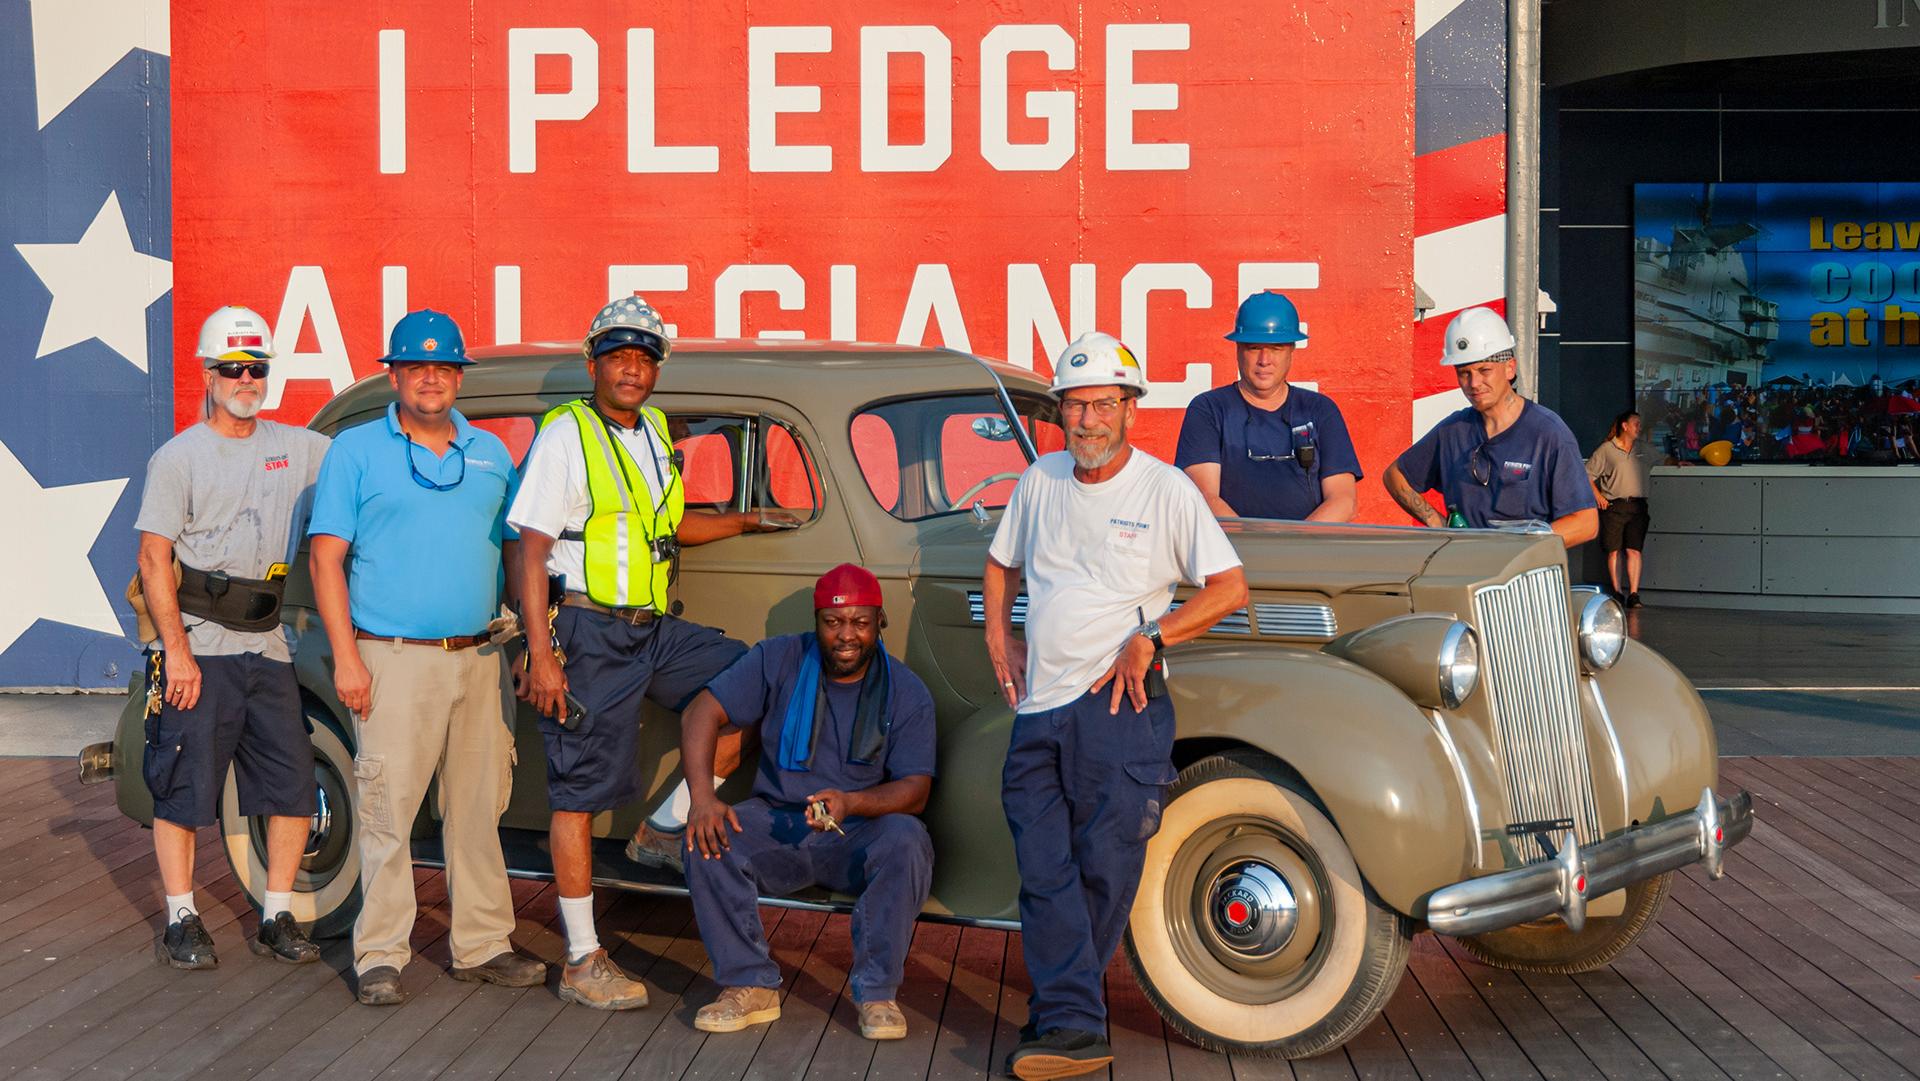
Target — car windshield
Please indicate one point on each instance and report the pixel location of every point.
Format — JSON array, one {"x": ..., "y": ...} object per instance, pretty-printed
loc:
[{"x": 923, "y": 457}]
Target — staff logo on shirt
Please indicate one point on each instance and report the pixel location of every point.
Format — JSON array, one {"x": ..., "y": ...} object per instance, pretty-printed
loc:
[
  {"x": 278, "y": 461},
  {"x": 1515, "y": 471},
  {"x": 1127, "y": 530}
]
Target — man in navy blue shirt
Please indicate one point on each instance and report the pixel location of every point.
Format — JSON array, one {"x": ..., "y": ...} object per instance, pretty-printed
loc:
[
  {"x": 1259, "y": 448},
  {"x": 846, "y": 762},
  {"x": 1502, "y": 459}
]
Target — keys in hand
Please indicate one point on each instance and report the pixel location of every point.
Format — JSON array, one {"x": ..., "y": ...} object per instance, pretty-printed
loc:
[{"x": 825, "y": 818}]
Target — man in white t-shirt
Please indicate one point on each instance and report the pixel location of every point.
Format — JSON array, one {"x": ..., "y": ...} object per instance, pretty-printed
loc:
[{"x": 1103, "y": 533}]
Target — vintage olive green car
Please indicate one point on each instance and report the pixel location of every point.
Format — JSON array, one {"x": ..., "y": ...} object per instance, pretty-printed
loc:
[{"x": 1404, "y": 728}]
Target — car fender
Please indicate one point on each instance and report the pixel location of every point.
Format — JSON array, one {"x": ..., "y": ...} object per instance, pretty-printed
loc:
[
  {"x": 1383, "y": 768},
  {"x": 1662, "y": 750}
]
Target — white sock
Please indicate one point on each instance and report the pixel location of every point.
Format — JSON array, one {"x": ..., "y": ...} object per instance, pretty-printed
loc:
[
  {"x": 275, "y": 904},
  {"x": 577, "y": 914},
  {"x": 177, "y": 902},
  {"x": 671, "y": 815}
]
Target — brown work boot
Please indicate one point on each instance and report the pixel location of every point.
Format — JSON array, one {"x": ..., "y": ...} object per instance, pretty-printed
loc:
[
  {"x": 738, "y": 1008},
  {"x": 653, "y": 848},
  {"x": 507, "y": 968},
  {"x": 882, "y": 1021},
  {"x": 598, "y": 983}
]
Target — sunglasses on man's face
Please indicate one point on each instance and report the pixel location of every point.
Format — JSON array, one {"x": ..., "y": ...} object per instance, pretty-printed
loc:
[{"x": 231, "y": 369}]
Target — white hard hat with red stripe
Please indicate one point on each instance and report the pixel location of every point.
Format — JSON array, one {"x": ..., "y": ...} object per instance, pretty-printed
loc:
[
  {"x": 234, "y": 333},
  {"x": 1098, "y": 360}
]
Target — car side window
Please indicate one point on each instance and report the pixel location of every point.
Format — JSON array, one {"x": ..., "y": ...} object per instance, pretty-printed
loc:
[
  {"x": 737, "y": 463},
  {"x": 927, "y": 456}
]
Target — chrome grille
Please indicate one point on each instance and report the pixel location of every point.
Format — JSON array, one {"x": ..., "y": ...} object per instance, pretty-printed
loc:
[
  {"x": 1274, "y": 620},
  {"x": 1295, "y": 620},
  {"x": 1533, "y": 684}
]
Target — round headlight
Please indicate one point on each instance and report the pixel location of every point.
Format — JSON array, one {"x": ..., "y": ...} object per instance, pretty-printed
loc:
[
  {"x": 1603, "y": 632},
  {"x": 1459, "y": 664}
]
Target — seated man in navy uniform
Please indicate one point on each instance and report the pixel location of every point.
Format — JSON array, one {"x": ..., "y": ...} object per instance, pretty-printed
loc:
[{"x": 847, "y": 750}]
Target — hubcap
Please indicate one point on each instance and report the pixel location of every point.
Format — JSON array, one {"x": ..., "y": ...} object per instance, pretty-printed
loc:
[
  {"x": 321, "y": 826},
  {"x": 1253, "y": 909},
  {"x": 1247, "y": 911}
]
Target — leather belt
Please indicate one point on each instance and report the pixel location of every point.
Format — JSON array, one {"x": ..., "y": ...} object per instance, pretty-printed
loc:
[
  {"x": 633, "y": 617},
  {"x": 453, "y": 644}
]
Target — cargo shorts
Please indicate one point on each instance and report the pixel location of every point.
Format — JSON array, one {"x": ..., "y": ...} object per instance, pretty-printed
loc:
[
  {"x": 248, "y": 717},
  {"x": 611, "y": 666}
]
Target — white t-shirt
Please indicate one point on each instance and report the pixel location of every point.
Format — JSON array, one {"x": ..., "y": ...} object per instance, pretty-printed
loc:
[
  {"x": 1099, "y": 560},
  {"x": 553, "y": 495}
]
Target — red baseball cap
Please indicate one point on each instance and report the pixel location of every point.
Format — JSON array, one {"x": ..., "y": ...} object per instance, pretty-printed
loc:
[{"x": 847, "y": 586}]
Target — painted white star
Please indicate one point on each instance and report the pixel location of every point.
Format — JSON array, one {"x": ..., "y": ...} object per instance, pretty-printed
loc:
[
  {"x": 77, "y": 41},
  {"x": 101, "y": 287},
  {"x": 46, "y": 574}
]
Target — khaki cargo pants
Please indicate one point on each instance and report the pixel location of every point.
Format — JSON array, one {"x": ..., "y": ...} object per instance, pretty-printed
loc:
[{"x": 433, "y": 710}]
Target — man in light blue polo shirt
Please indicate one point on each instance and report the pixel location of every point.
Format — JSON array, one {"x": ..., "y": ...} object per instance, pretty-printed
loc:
[{"x": 409, "y": 527}]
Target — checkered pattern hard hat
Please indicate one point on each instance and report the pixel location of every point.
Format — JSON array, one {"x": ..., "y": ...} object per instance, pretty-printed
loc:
[{"x": 628, "y": 321}]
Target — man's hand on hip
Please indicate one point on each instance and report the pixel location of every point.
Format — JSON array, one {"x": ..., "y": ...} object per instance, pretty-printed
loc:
[{"x": 1129, "y": 673}]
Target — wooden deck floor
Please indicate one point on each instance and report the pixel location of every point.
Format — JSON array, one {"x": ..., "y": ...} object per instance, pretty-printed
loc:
[{"x": 1804, "y": 962}]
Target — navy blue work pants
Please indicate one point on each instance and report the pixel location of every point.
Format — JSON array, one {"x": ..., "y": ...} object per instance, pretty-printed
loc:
[
  {"x": 1083, "y": 791},
  {"x": 887, "y": 862}
]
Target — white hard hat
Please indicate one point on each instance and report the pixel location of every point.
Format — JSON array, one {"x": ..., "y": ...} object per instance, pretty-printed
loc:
[
  {"x": 234, "y": 333},
  {"x": 1098, "y": 360},
  {"x": 1475, "y": 335}
]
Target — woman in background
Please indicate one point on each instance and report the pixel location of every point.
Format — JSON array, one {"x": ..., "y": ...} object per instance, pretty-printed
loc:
[{"x": 1619, "y": 478}]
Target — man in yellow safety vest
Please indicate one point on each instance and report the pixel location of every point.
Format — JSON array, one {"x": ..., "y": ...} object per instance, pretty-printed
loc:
[{"x": 602, "y": 508}]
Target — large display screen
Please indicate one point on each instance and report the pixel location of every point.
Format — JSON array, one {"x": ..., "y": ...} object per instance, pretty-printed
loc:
[{"x": 1782, "y": 318}]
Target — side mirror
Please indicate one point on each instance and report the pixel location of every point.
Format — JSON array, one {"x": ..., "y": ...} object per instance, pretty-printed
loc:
[{"x": 993, "y": 429}]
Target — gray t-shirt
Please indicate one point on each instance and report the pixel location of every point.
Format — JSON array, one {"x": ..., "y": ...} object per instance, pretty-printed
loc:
[
  {"x": 230, "y": 505},
  {"x": 1617, "y": 473}
]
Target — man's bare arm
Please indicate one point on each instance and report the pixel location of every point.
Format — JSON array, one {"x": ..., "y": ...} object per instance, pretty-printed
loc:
[
  {"x": 1411, "y": 501},
  {"x": 1206, "y": 477},
  {"x": 1338, "y": 497},
  {"x": 999, "y": 584},
  {"x": 1578, "y": 528}
]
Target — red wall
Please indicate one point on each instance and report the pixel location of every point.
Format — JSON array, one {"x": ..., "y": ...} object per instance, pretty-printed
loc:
[{"x": 1297, "y": 123}]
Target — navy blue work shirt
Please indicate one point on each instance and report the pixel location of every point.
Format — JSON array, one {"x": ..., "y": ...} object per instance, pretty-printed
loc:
[
  {"x": 1258, "y": 450},
  {"x": 1531, "y": 470},
  {"x": 755, "y": 688}
]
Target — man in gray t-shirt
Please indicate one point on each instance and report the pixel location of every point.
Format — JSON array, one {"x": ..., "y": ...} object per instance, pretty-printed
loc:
[{"x": 222, "y": 496}]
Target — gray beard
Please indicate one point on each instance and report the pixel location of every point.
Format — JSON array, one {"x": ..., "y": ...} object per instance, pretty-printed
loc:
[
  {"x": 241, "y": 410},
  {"x": 1086, "y": 459}
]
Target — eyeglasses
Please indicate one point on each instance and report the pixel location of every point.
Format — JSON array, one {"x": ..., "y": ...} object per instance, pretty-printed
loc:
[
  {"x": 1102, "y": 407},
  {"x": 1480, "y": 465},
  {"x": 1300, "y": 444},
  {"x": 231, "y": 369},
  {"x": 423, "y": 481}
]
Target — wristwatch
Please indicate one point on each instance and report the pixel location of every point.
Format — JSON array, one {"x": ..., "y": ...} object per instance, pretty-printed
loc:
[{"x": 1150, "y": 630}]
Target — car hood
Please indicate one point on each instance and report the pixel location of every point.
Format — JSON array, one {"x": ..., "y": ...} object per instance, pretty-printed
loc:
[{"x": 1282, "y": 556}]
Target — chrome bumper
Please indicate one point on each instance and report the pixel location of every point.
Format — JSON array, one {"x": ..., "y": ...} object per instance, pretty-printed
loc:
[
  {"x": 1561, "y": 886},
  {"x": 96, "y": 762}
]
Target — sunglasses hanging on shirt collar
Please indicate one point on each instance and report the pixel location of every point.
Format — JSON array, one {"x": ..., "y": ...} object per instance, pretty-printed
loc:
[{"x": 421, "y": 480}]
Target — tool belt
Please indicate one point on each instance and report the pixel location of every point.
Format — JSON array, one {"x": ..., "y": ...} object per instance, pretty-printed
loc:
[
  {"x": 631, "y": 616},
  {"x": 451, "y": 645},
  {"x": 240, "y": 604}
]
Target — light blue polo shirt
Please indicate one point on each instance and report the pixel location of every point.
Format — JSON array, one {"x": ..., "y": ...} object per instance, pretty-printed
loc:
[{"x": 423, "y": 564}]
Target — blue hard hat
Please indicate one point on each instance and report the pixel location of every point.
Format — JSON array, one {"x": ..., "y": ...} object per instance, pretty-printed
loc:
[
  {"x": 426, "y": 337},
  {"x": 1267, "y": 318}
]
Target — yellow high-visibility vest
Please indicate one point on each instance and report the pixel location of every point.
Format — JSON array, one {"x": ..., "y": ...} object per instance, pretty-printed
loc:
[{"x": 625, "y": 521}]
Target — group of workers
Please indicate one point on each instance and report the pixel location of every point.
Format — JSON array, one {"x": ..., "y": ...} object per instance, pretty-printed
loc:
[{"x": 420, "y": 524}]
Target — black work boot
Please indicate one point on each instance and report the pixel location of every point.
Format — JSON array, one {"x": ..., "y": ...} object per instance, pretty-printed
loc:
[
  {"x": 1063, "y": 1052},
  {"x": 380, "y": 986},
  {"x": 186, "y": 944},
  {"x": 284, "y": 939}
]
